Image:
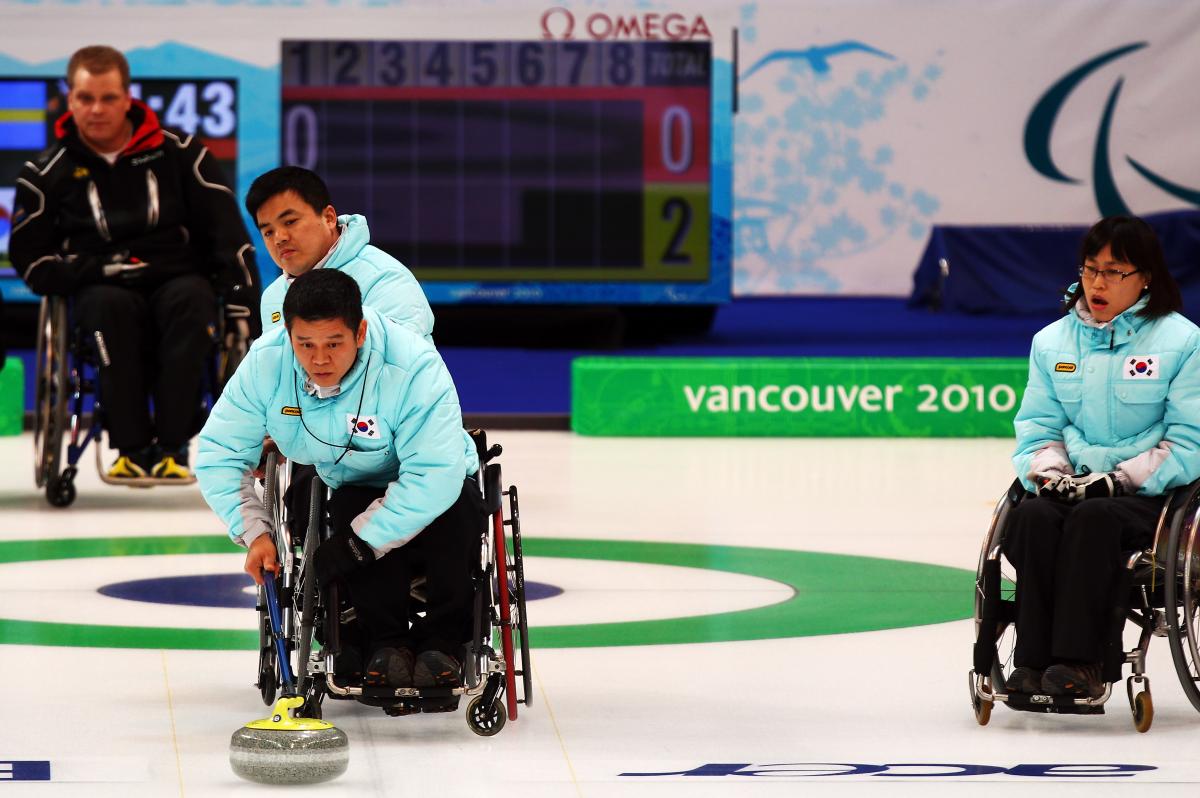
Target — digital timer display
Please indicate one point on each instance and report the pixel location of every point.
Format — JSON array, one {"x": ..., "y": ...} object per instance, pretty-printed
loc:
[
  {"x": 513, "y": 162},
  {"x": 30, "y": 106}
]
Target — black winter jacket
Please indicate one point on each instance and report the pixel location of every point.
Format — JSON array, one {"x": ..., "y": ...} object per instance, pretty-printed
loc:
[{"x": 164, "y": 203}]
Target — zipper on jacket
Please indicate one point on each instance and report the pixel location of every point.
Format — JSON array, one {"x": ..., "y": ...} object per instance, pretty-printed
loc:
[
  {"x": 152, "y": 197},
  {"x": 93, "y": 195},
  {"x": 1113, "y": 340}
]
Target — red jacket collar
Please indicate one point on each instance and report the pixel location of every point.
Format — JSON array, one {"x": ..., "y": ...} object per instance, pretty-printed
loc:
[{"x": 147, "y": 133}]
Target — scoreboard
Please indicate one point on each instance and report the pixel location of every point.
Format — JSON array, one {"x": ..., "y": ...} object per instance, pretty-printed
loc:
[{"x": 519, "y": 170}]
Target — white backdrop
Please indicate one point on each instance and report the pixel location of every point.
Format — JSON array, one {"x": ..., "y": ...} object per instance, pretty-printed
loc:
[{"x": 862, "y": 122}]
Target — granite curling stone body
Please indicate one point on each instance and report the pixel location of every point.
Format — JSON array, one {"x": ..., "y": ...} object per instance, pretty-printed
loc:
[{"x": 286, "y": 750}]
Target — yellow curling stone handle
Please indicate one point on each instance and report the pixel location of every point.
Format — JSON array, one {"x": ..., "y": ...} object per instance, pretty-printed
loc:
[{"x": 282, "y": 720}]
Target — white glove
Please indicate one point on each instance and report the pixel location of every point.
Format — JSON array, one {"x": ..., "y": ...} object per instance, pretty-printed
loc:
[
  {"x": 1077, "y": 487},
  {"x": 1046, "y": 480}
]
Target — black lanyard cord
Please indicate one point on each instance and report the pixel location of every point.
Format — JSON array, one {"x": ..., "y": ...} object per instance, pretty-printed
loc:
[{"x": 353, "y": 423}]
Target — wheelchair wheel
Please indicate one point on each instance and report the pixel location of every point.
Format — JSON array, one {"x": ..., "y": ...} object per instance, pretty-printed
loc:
[
  {"x": 268, "y": 674},
  {"x": 60, "y": 490},
  {"x": 982, "y": 708},
  {"x": 233, "y": 345},
  {"x": 995, "y": 602},
  {"x": 1182, "y": 594},
  {"x": 486, "y": 721},
  {"x": 518, "y": 591},
  {"x": 268, "y": 679},
  {"x": 502, "y": 594},
  {"x": 305, "y": 596},
  {"x": 50, "y": 406}
]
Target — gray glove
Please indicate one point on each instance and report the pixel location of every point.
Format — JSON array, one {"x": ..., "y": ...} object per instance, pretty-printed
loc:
[
  {"x": 1074, "y": 488},
  {"x": 124, "y": 268}
]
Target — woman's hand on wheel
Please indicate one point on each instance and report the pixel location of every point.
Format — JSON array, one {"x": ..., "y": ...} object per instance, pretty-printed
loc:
[{"x": 261, "y": 557}]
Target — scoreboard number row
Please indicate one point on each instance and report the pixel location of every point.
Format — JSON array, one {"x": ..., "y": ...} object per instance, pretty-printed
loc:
[{"x": 493, "y": 64}]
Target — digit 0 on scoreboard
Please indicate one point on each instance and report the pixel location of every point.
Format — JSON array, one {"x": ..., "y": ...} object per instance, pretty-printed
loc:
[{"x": 510, "y": 161}]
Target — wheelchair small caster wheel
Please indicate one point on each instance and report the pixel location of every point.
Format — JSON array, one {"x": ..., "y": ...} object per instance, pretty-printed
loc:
[
  {"x": 486, "y": 721},
  {"x": 268, "y": 680},
  {"x": 983, "y": 711},
  {"x": 982, "y": 708},
  {"x": 1143, "y": 711},
  {"x": 60, "y": 491}
]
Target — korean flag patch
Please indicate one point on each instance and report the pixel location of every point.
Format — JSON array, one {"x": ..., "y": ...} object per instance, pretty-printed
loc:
[
  {"x": 1141, "y": 367},
  {"x": 362, "y": 426}
]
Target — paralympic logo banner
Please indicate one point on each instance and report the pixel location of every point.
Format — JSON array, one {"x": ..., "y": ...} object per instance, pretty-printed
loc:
[{"x": 863, "y": 125}]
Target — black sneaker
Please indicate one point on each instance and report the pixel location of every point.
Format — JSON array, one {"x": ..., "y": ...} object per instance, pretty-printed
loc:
[
  {"x": 390, "y": 667},
  {"x": 1077, "y": 680},
  {"x": 348, "y": 666},
  {"x": 1024, "y": 680},
  {"x": 437, "y": 669}
]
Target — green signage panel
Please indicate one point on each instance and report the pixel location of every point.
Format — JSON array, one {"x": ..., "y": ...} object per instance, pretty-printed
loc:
[
  {"x": 807, "y": 397},
  {"x": 12, "y": 396}
]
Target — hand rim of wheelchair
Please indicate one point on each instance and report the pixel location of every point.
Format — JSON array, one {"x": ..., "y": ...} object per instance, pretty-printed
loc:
[
  {"x": 490, "y": 682},
  {"x": 1180, "y": 574}
]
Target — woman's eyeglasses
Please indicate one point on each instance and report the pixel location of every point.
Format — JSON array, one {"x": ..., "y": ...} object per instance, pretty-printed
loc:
[{"x": 1090, "y": 273}]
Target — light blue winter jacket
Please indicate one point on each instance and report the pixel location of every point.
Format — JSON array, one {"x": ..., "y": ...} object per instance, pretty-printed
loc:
[
  {"x": 1122, "y": 396},
  {"x": 409, "y": 436},
  {"x": 385, "y": 283}
]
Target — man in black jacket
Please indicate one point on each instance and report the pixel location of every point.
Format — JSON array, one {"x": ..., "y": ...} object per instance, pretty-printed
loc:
[{"x": 139, "y": 225}]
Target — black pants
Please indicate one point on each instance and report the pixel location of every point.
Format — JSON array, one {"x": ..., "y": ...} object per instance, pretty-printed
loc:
[
  {"x": 445, "y": 553},
  {"x": 157, "y": 341},
  {"x": 1068, "y": 560}
]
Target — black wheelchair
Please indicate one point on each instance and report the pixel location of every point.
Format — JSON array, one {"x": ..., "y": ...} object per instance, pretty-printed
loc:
[
  {"x": 66, "y": 374},
  {"x": 1162, "y": 586},
  {"x": 311, "y": 621}
]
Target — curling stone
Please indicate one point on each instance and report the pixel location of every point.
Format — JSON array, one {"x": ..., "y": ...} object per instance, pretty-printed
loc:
[{"x": 286, "y": 750}]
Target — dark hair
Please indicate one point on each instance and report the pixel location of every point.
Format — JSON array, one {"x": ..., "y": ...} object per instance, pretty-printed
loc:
[
  {"x": 323, "y": 294},
  {"x": 1134, "y": 242},
  {"x": 98, "y": 59},
  {"x": 306, "y": 183}
]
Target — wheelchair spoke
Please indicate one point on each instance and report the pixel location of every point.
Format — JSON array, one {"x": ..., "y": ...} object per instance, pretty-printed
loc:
[{"x": 1182, "y": 592}]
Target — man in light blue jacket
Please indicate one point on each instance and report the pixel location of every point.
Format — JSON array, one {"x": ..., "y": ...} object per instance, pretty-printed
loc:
[
  {"x": 300, "y": 228},
  {"x": 1109, "y": 423},
  {"x": 372, "y": 406}
]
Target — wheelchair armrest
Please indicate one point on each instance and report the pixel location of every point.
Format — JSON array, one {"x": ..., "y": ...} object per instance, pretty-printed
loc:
[
  {"x": 479, "y": 437},
  {"x": 493, "y": 491}
]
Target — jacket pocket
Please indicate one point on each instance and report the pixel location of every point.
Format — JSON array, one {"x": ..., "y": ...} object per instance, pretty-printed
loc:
[
  {"x": 375, "y": 462},
  {"x": 1070, "y": 394},
  {"x": 1140, "y": 405}
]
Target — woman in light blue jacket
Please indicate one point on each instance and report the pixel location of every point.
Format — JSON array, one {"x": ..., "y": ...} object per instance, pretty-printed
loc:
[{"x": 1109, "y": 423}]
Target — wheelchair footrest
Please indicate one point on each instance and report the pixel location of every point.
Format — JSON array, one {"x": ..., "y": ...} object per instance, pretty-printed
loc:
[
  {"x": 1058, "y": 704},
  {"x": 411, "y": 706},
  {"x": 430, "y": 699},
  {"x": 145, "y": 482}
]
